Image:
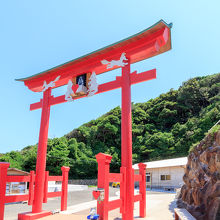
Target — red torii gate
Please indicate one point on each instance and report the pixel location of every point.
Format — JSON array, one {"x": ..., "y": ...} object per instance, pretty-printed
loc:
[{"x": 148, "y": 43}]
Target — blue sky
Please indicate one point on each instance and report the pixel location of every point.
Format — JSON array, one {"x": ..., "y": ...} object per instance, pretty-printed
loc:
[{"x": 37, "y": 35}]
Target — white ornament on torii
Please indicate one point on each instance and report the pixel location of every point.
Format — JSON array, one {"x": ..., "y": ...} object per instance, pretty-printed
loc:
[
  {"x": 69, "y": 91},
  {"x": 113, "y": 63},
  {"x": 50, "y": 84},
  {"x": 92, "y": 88},
  {"x": 92, "y": 85}
]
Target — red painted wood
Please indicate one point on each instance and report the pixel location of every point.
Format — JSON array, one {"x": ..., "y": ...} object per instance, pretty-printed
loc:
[
  {"x": 137, "y": 177},
  {"x": 33, "y": 216},
  {"x": 137, "y": 198},
  {"x": 30, "y": 197},
  {"x": 31, "y": 188},
  {"x": 16, "y": 198},
  {"x": 3, "y": 176},
  {"x": 55, "y": 178},
  {"x": 110, "y": 85},
  {"x": 36, "y": 105},
  {"x": 54, "y": 194},
  {"x": 55, "y": 100},
  {"x": 61, "y": 99},
  {"x": 96, "y": 194},
  {"x": 46, "y": 186},
  {"x": 126, "y": 141},
  {"x": 115, "y": 177},
  {"x": 137, "y": 49},
  {"x": 103, "y": 175},
  {"x": 142, "y": 189},
  {"x": 140, "y": 52},
  {"x": 142, "y": 77},
  {"x": 114, "y": 204},
  {"x": 135, "y": 78},
  {"x": 123, "y": 190},
  {"x": 18, "y": 178},
  {"x": 65, "y": 172},
  {"x": 41, "y": 154}
]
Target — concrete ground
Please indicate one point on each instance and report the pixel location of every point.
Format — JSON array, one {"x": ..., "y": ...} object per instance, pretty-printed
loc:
[
  {"x": 160, "y": 205},
  {"x": 53, "y": 204}
]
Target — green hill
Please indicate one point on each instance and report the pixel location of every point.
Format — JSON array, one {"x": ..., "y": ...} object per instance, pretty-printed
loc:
[{"x": 164, "y": 127}]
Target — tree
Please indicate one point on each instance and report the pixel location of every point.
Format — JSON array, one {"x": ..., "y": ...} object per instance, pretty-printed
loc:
[
  {"x": 14, "y": 158},
  {"x": 58, "y": 156}
]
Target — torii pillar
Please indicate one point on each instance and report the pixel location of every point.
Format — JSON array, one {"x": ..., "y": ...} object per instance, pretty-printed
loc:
[
  {"x": 126, "y": 140},
  {"x": 42, "y": 154}
]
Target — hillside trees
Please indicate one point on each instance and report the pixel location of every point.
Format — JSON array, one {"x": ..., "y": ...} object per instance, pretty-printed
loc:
[
  {"x": 164, "y": 127},
  {"x": 14, "y": 158},
  {"x": 57, "y": 155}
]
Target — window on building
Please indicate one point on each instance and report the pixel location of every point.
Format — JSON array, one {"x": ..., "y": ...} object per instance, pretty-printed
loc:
[
  {"x": 148, "y": 177},
  {"x": 165, "y": 177},
  {"x": 162, "y": 177},
  {"x": 168, "y": 177}
]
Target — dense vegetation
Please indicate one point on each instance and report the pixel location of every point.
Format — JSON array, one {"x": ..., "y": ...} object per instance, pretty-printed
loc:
[{"x": 164, "y": 127}]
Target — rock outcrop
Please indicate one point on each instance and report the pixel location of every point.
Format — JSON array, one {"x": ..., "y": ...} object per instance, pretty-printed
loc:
[{"x": 200, "y": 194}]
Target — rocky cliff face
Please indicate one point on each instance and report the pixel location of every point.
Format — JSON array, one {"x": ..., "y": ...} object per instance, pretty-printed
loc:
[{"x": 200, "y": 194}]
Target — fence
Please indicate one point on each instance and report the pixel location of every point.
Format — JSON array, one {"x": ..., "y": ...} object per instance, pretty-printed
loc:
[
  {"x": 4, "y": 178},
  {"x": 104, "y": 177}
]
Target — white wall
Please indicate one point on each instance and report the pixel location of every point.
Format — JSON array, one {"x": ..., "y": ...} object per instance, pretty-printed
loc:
[{"x": 176, "y": 174}]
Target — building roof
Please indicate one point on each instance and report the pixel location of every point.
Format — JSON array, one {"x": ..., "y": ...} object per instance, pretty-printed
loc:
[
  {"x": 181, "y": 161},
  {"x": 143, "y": 45},
  {"x": 15, "y": 171}
]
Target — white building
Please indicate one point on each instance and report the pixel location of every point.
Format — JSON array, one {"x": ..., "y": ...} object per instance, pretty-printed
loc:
[
  {"x": 16, "y": 187},
  {"x": 165, "y": 174}
]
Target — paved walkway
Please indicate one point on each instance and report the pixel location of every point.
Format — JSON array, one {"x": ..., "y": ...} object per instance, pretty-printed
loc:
[{"x": 159, "y": 206}]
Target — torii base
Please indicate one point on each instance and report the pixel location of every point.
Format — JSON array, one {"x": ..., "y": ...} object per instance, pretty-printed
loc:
[{"x": 31, "y": 216}]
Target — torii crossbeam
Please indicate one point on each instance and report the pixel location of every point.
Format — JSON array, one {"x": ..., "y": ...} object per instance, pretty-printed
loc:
[
  {"x": 134, "y": 78},
  {"x": 150, "y": 42}
]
